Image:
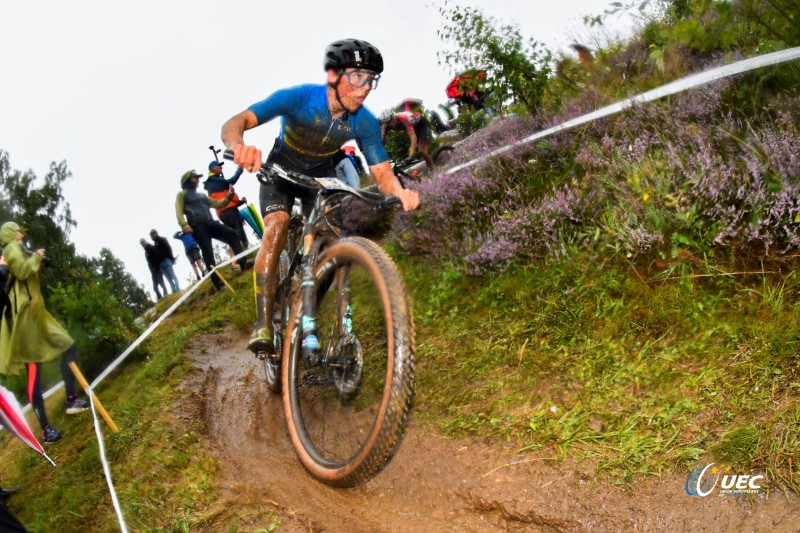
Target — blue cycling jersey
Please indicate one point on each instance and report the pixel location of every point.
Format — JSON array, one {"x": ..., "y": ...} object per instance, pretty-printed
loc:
[{"x": 310, "y": 135}]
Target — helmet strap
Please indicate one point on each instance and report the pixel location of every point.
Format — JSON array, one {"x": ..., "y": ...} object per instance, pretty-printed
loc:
[{"x": 335, "y": 86}]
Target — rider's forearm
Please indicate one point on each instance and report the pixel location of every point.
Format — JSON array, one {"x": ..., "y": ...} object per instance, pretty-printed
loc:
[
  {"x": 412, "y": 137},
  {"x": 384, "y": 176},
  {"x": 232, "y": 132},
  {"x": 234, "y": 128}
]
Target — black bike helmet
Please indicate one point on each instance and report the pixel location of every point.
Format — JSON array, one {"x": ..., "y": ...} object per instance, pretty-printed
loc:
[{"x": 353, "y": 53}]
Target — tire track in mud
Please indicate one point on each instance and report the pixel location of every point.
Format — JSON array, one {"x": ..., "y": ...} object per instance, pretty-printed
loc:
[{"x": 432, "y": 484}]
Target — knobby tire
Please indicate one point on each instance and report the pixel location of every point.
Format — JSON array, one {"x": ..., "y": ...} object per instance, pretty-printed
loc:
[
  {"x": 319, "y": 413},
  {"x": 272, "y": 371}
]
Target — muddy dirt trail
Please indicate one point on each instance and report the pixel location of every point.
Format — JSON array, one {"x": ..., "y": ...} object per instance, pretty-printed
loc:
[{"x": 432, "y": 484}]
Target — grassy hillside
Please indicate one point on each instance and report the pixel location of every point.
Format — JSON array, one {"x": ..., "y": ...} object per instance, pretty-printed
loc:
[
  {"x": 165, "y": 477},
  {"x": 628, "y": 288},
  {"x": 645, "y": 371},
  {"x": 625, "y": 292}
]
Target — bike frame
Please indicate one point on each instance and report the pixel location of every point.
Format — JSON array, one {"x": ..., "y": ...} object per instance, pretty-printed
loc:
[{"x": 316, "y": 234}]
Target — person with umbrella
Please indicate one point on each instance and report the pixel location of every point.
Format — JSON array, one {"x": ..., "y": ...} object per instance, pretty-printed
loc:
[
  {"x": 29, "y": 335},
  {"x": 12, "y": 420}
]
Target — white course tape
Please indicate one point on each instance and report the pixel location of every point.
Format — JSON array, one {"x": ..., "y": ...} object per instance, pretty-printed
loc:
[
  {"x": 106, "y": 469},
  {"x": 110, "y": 368},
  {"x": 683, "y": 84}
]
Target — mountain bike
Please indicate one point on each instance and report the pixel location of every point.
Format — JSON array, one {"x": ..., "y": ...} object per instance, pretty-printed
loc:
[
  {"x": 405, "y": 170},
  {"x": 344, "y": 339}
]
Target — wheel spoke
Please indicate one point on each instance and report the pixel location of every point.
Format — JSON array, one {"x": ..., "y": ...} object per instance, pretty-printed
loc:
[{"x": 338, "y": 409}]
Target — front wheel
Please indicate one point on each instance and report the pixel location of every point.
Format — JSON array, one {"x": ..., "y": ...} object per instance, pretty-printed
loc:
[
  {"x": 346, "y": 413},
  {"x": 272, "y": 362}
]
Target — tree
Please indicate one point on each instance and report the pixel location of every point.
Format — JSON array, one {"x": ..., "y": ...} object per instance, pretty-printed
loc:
[
  {"x": 129, "y": 293},
  {"x": 763, "y": 19},
  {"x": 516, "y": 68},
  {"x": 96, "y": 299},
  {"x": 41, "y": 210}
]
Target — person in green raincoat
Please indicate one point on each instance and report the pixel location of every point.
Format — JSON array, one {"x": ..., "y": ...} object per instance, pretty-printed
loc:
[{"x": 29, "y": 335}]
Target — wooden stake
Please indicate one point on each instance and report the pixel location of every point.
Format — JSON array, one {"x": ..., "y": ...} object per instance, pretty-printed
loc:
[
  {"x": 95, "y": 399},
  {"x": 225, "y": 281}
]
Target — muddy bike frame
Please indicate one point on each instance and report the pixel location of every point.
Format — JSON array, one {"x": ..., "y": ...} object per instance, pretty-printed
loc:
[
  {"x": 346, "y": 402},
  {"x": 329, "y": 194},
  {"x": 303, "y": 250}
]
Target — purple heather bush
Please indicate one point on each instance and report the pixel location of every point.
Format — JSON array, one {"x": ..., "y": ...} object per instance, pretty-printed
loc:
[
  {"x": 534, "y": 231},
  {"x": 692, "y": 171}
]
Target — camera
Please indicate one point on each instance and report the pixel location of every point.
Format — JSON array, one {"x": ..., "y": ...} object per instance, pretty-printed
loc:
[{"x": 46, "y": 262}]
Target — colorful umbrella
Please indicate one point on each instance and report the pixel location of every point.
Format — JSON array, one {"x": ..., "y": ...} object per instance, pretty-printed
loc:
[
  {"x": 251, "y": 216},
  {"x": 13, "y": 420}
]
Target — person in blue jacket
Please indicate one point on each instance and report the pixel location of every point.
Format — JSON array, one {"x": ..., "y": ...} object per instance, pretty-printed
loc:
[
  {"x": 218, "y": 187},
  {"x": 192, "y": 250}
]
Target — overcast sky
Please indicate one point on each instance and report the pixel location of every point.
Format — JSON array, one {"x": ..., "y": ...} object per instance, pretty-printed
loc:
[{"x": 132, "y": 94}]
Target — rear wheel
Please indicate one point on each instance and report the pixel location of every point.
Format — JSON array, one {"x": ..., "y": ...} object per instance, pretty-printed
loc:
[
  {"x": 442, "y": 153},
  {"x": 347, "y": 414}
]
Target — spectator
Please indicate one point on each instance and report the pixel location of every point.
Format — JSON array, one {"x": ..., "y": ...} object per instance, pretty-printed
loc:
[
  {"x": 218, "y": 187},
  {"x": 6, "y": 493},
  {"x": 469, "y": 89},
  {"x": 151, "y": 256},
  {"x": 192, "y": 210},
  {"x": 165, "y": 260},
  {"x": 584, "y": 53},
  {"x": 29, "y": 335},
  {"x": 8, "y": 522},
  {"x": 350, "y": 152},
  {"x": 192, "y": 250},
  {"x": 346, "y": 170}
]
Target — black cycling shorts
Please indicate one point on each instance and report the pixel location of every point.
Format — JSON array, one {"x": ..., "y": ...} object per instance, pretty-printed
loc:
[
  {"x": 277, "y": 194},
  {"x": 423, "y": 129},
  {"x": 193, "y": 253}
]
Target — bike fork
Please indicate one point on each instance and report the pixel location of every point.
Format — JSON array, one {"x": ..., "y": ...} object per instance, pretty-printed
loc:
[
  {"x": 310, "y": 342},
  {"x": 345, "y": 307}
]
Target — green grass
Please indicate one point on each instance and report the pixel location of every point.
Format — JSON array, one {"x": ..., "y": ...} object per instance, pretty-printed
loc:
[
  {"x": 164, "y": 476},
  {"x": 644, "y": 372}
]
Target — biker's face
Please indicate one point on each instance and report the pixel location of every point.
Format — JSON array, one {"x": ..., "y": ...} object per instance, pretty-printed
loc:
[{"x": 351, "y": 95}]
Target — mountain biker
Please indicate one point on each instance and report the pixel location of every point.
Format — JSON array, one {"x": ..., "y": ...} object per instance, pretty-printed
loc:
[
  {"x": 409, "y": 117},
  {"x": 316, "y": 121},
  {"x": 469, "y": 90}
]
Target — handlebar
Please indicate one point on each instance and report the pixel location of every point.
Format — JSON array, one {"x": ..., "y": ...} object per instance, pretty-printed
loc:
[{"x": 328, "y": 184}]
